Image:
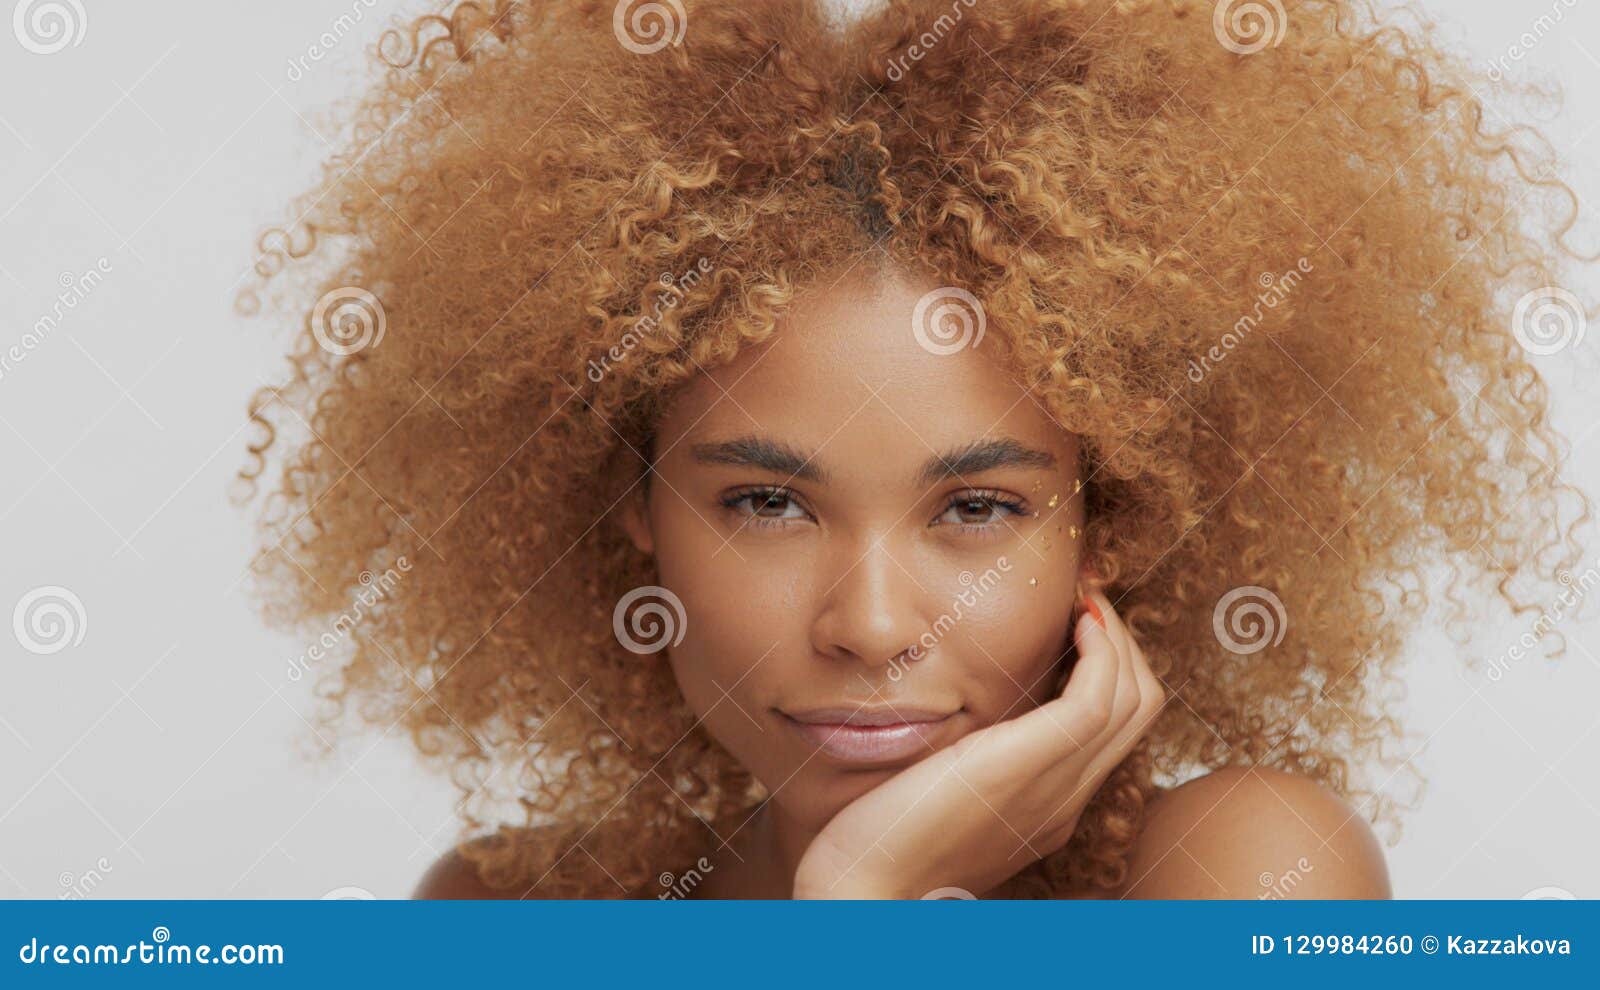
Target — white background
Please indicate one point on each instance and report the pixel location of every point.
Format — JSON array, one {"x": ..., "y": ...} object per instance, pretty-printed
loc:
[{"x": 163, "y": 753}]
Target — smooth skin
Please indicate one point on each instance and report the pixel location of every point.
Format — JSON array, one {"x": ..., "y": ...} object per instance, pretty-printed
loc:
[
  {"x": 823, "y": 504},
  {"x": 973, "y": 814}
]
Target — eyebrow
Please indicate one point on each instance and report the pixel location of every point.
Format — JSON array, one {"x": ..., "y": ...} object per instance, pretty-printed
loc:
[
  {"x": 780, "y": 458},
  {"x": 984, "y": 455}
]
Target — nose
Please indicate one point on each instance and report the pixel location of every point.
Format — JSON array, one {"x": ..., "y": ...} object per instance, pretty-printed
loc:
[{"x": 868, "y": 612}]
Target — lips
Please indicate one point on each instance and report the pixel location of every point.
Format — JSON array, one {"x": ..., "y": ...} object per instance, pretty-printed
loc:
[{"x": 870, "y": 736}]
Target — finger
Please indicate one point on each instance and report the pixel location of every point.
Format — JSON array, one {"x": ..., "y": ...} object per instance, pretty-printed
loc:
[
  {"x": 1136, "y": 698},
  {"x": 1149, "y": 685},
  {"x": 1152, "y": 701},
  {"x": 1072, "y": 721},
  {"x": 1128, "y": 687},
  {"x": 1152, "y": 692},
  {"x": 1138, "y": 690},
  {"x": 1125, "y": 692},
  {"x": 1125, "y": 640},
  {"x": 1080, "y": 608},
  {"x": 1153, "y": 695},
  {"x": 1060, "y": 736},
  {"x": 1115, "y": 627}
]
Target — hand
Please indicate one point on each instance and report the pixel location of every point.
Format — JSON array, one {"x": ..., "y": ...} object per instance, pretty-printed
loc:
[{"x": 974, "y": 814}]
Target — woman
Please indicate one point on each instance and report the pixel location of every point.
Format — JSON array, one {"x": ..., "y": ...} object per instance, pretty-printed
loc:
[{"x": 981, "y": 450}]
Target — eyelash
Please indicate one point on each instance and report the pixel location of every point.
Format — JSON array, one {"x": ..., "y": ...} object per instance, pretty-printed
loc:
[
  {"x": 994, "y": 499},
  {"x": 732, "y": 501}
]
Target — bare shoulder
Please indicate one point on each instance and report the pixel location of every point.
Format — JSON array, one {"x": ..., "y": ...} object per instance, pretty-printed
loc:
[
  {"x": 452, "y": 877},
  {"x": 1246, "y": 833}
]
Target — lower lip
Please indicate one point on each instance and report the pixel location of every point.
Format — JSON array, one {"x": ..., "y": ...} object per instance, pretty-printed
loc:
[{"x": 870, "y": 743}]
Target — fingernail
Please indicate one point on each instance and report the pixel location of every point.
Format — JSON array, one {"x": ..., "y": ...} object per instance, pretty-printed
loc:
[{"x": 1093, "y": 610}]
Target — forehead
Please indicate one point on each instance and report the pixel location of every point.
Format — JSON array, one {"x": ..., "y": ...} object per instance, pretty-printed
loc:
[{"x": 869, "y": 373}]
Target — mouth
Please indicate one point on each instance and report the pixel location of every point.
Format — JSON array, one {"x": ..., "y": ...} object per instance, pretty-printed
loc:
[{"x": 865, "y": 737}]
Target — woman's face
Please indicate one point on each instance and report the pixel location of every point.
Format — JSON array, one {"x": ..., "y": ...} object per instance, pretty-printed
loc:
[{"x": 875, "y": 542}]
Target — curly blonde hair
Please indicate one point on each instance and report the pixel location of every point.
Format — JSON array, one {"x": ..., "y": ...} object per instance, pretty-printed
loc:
[{"x": 1268, "y": 282}]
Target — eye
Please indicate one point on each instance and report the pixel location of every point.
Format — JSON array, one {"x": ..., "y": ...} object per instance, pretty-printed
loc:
[
  {"x": 765, "y": 506},
  {"x": 979, "y": 510}
]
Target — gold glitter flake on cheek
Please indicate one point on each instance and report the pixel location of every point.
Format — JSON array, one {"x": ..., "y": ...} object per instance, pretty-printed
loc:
[{"x": 1055, "y": 500}]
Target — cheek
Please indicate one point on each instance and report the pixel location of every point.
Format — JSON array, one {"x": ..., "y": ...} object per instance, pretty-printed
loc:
[
  {"x": 740, "y": 618},
  {"x": 739, "y": 636},
  {"x": 1012, "y": 633}
]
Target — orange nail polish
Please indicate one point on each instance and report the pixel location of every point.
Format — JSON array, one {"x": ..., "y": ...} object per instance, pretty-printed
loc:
[{"x": 1093, "y": 610}]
